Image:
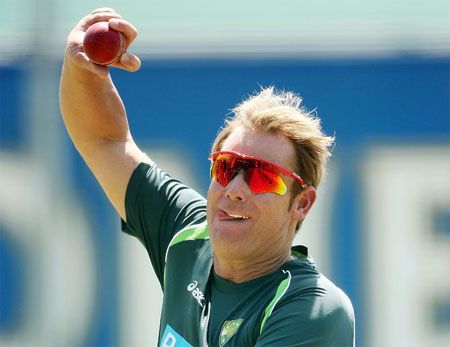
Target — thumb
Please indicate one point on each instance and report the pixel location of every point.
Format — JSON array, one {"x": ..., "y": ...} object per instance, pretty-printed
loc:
[{"x": 129, "y": 62}]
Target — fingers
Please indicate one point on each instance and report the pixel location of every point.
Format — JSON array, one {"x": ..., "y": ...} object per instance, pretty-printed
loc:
[
  {"x": 79, "y": 58},
  {"x": 75, "y": 50},
  {"x": 125, "y": 28},
  {"x": 103, "y": 9},
  {"x": 127, "y": 61},
  {"x": 103, "y": 14}
]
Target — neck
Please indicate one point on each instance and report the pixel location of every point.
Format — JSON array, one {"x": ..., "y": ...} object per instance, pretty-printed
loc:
[{"x": 239, "y": 271}]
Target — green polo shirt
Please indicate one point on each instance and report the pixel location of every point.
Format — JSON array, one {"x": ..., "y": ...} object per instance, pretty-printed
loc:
[{"x": 293, "y": 306}]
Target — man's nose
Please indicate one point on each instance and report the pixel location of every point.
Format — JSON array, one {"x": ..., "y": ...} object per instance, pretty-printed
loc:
[{"x": 238, "y": 188}]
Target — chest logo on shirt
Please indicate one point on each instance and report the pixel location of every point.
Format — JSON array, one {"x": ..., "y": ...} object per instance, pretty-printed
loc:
[
  {"x": 229, "y": 328},
  {"x": 196, "y": 293}
]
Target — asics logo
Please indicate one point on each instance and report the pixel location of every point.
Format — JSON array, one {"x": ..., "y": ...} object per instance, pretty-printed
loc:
[{"x": 196, "y": 293}]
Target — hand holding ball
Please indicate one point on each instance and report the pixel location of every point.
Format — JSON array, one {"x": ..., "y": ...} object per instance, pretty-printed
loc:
[{"x": 103, "y": 45}]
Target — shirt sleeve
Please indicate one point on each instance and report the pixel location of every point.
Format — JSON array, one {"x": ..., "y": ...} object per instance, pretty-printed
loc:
[
  {"x": 320, "y": 319},
  {"x": 157, "y": 206}
]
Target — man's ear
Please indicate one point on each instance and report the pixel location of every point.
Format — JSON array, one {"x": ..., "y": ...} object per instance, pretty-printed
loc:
[{"x": 303, "y": 202}]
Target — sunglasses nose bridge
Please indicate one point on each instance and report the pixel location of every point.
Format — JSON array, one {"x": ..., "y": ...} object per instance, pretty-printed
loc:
[
  {"x": 236, "y": 172},
  {"x": 238, "y": 187},
  {"x": 239, "y": 170},
  {"x": 238, "y": 165}
]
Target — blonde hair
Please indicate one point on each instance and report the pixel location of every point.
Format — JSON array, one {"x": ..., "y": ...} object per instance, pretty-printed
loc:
[{"x": 281, "y": 113}]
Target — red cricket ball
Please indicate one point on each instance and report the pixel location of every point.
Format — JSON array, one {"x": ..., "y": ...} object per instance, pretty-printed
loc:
[{"x": 103, "y": 45}]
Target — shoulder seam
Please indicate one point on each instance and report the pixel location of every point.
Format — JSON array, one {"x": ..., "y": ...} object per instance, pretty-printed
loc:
[
  {"x": 171, "y": 243},
  {"x": 184, "y": 230},
  {"x": 281, "y": 290}
]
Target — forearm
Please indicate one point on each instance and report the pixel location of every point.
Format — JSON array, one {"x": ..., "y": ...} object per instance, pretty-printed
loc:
[
  {"x": 91, "y": 107},
  {"x": 93, "y": 111}
]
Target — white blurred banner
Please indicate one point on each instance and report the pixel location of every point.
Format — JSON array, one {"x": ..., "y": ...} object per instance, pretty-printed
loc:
[{"x": 408, "y": 256}]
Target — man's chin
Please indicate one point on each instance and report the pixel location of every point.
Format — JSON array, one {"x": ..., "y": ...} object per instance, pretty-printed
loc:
[{"x": 228, "y": 235}]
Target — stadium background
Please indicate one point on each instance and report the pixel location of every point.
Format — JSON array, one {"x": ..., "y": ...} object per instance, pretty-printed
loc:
[{"x": 377, "y": 73}]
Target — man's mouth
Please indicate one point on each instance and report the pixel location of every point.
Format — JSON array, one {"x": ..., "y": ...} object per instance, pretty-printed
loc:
[{"x": 224, "y": 216}]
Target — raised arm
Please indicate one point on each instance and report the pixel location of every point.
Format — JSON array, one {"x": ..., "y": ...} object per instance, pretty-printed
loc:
[{"x": 93, "y": 111}]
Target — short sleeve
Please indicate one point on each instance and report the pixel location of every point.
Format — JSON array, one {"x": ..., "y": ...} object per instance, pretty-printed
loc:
[
  {"x": 318, "y": 318},
  {"x": 157, "y": 206}
]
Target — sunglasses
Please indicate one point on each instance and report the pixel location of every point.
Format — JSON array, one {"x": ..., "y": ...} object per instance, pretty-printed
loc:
[{"x": 261, "y": 175}]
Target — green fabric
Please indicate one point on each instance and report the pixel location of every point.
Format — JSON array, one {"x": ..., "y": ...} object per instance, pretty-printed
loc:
[
  {"x": 293, "y": 306},
  {"x": 280, "y": 292},
  {"x": 197, "y": 232},
  {"x": 193, "y": 233}
]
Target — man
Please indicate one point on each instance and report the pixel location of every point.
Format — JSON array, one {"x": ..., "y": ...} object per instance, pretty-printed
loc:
[{"x": 229, "y": 275}]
